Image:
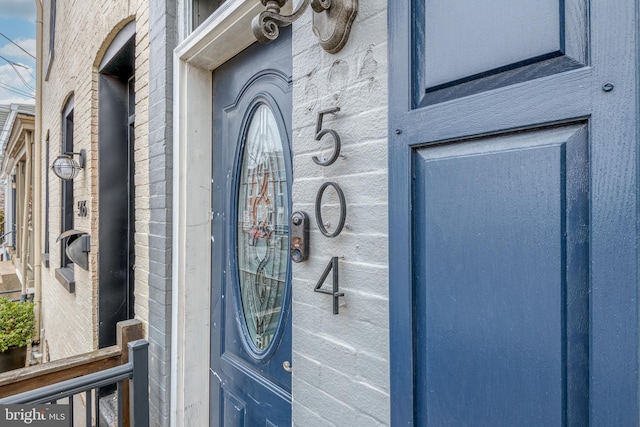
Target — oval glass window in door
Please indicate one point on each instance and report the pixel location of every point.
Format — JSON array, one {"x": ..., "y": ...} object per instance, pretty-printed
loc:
[{"x": 263, "y": 227}]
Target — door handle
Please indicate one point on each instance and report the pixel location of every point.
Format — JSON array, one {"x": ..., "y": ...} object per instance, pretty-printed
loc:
[{"x": 286, "y": 365}]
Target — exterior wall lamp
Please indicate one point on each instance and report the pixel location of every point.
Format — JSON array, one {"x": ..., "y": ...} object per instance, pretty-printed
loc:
[
  {"x": 65, "y": 166},
  {"x": 332, "y": 21}
]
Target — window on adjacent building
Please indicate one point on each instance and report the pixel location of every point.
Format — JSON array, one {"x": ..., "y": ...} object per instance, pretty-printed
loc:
[
  {"x": 202, "y": 9},
  {"x": 45, "y": 255},
  {"x": 52, "y": 37},
  {"x": 64, "y": 274},
  {"x": 14, "y": 211}
]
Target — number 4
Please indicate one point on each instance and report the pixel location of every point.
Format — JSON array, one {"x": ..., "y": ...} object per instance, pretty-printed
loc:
[{"x": 333, "y": 265}]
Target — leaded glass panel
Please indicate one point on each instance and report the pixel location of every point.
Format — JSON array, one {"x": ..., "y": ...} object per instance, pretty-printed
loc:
[{"x": 263, "y": 228}]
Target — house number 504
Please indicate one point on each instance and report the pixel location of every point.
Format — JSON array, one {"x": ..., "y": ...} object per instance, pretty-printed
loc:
[{"x": 333, "y": 264}]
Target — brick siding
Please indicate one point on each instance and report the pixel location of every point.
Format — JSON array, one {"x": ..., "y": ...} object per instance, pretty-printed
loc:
[{"x": 341, "y": 363}]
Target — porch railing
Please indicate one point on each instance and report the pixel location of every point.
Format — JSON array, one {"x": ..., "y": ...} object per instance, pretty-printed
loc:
[{"x": 125, "y": 364}]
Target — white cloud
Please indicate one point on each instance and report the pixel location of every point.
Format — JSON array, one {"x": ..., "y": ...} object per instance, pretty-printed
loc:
[
  {"x": 9, "y": 75},
  {"x": 9, "y": 98},
  {"x": 11, "y": 86},
  {"x": 24, "y": 9},
  {"x": 11, "y": 49}
]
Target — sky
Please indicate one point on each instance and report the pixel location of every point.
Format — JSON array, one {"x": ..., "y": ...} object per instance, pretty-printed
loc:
[{"x": 17, "y": 69}]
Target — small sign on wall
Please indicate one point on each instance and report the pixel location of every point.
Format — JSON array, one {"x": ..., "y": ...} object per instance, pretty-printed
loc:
[{"x": 82, "y": 208}]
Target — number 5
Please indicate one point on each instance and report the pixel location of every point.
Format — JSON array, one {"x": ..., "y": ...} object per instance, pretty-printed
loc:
[{"x": 322, "y": 132}]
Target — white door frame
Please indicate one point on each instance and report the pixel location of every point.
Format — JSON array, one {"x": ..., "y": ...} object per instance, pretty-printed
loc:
[{"x": 223, "y": 35}]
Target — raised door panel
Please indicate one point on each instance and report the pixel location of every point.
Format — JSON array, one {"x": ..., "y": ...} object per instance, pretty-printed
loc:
[{"x": 501, "y": 290}]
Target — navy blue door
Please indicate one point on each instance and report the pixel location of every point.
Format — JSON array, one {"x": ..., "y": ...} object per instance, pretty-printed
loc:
[
  {"x": 250, "y": 295},
  {"x": 513, "y": 199}
]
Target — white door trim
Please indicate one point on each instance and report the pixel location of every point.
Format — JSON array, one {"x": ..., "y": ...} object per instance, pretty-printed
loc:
[{"x": 223, "y": 35}]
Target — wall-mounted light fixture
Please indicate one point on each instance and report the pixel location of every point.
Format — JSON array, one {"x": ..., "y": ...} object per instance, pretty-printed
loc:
[
  {"x": 332, "y": 21},
  {"x": 65, "y": 166}
]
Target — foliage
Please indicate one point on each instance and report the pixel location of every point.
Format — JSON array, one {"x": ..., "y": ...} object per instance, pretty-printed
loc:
[{"x": 17, "y": 322}]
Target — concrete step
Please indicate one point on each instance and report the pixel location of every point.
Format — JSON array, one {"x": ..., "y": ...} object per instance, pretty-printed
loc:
[{"x": 9, "y": 282}]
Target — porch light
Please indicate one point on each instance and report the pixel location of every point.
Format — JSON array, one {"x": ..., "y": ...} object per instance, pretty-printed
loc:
[
  {"x": 332, "y": 21},
  {"x": 65, "y": 166}
]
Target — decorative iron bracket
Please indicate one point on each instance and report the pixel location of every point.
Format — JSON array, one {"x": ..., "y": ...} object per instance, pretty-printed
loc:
[{"x": 332, "y": 20}]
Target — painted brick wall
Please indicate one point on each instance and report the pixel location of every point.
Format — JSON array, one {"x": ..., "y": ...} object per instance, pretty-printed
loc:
[
  {"x": 341, "y": 362},
  {"x": 84, "y": 30},
  {"x": 162, "y": 36}
]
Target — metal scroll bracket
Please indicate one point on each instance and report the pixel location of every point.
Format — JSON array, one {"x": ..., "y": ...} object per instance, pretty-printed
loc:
[{"x": 332, "y": 20}]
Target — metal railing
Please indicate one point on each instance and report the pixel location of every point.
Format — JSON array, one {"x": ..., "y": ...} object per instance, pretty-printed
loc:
[
  {"x": 72, "y": 380},
  {"x": 136, "y": 371}
]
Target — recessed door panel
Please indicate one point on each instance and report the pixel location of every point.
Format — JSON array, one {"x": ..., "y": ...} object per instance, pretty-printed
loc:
[
  {"x": 464, "y": 37},
  {"x": 464, "y": 47},
  {"x": 233, "y": 412}
]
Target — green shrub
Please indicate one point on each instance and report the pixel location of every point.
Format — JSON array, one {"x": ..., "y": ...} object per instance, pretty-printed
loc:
[{"x": 17, "y": 321}]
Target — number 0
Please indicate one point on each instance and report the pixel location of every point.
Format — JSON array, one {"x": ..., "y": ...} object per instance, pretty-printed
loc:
[{"x": 343, "y": 209}]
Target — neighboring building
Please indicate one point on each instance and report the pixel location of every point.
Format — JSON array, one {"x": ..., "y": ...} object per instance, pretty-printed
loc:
[
  {"x": 105, "y": 241},
  {"x": 479, "y": 215},
  {"x": 17, "y": 148}
]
